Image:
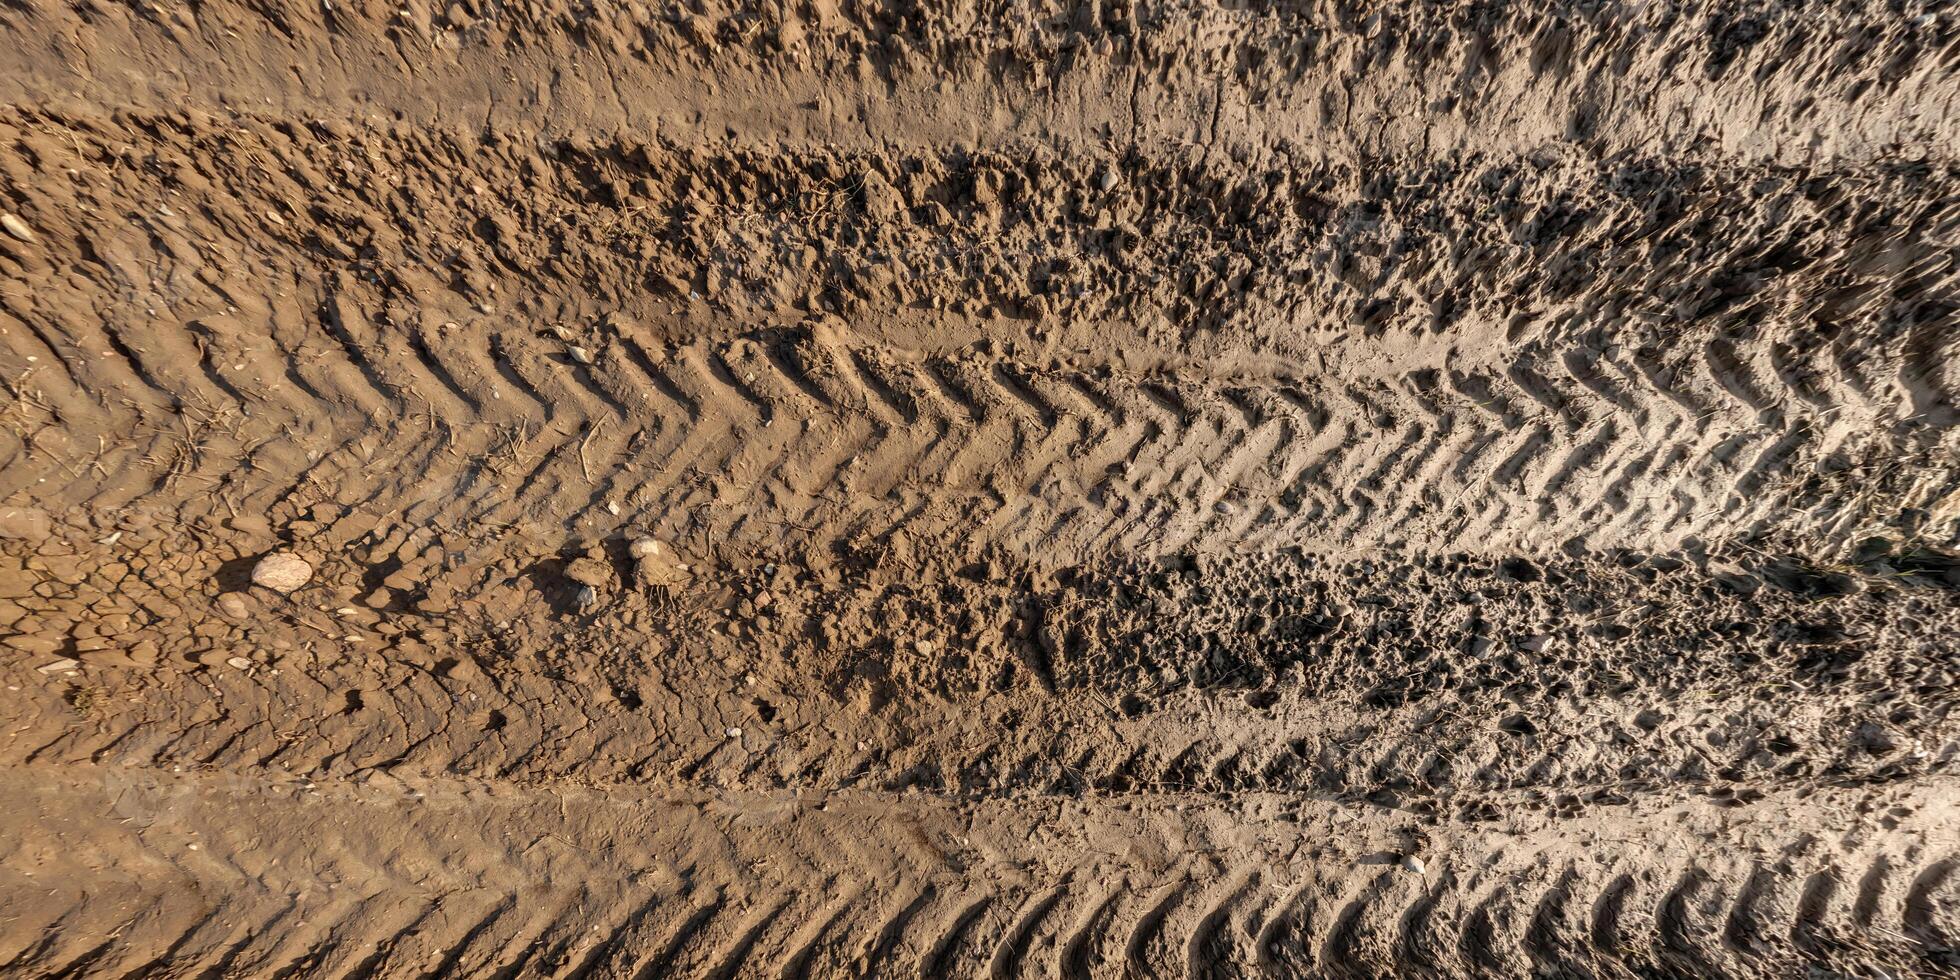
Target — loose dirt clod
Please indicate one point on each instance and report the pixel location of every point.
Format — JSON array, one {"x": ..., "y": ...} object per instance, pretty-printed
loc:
[
  {"x": 589, "y": 572},
  {"x": 655, "y": 563},
  {"x": 30, "y": 524}
]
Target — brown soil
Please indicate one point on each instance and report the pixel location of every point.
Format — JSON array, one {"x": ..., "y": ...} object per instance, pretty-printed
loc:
[{"x": 1141, "y": 489}]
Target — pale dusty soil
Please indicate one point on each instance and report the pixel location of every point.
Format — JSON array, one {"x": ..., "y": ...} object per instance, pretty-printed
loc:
[{"x": 1146, "y": 489}]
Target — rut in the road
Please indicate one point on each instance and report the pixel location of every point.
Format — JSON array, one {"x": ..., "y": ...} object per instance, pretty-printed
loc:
[
  {"x": 475, "y": 880},
  {"x": 730, "y": 358}
]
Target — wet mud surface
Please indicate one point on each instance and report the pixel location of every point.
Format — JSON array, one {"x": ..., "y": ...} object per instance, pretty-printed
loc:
[{"x": 877, "y": 489}]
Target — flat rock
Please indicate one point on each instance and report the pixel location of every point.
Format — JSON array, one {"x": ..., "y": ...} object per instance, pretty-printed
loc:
[{"x": 282, "y": 572}]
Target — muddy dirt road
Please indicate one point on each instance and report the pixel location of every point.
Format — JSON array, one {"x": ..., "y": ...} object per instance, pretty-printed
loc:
[{"x": 860, "y": 488}]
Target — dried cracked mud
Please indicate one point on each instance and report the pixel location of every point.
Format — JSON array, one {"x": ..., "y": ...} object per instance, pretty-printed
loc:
[{"x": 848, "y": 488}]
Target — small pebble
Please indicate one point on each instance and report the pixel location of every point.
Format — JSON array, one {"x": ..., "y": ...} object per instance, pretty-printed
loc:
[
  {"x": 16, "y": 227},
  {"x": 239, "y": 663}
]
